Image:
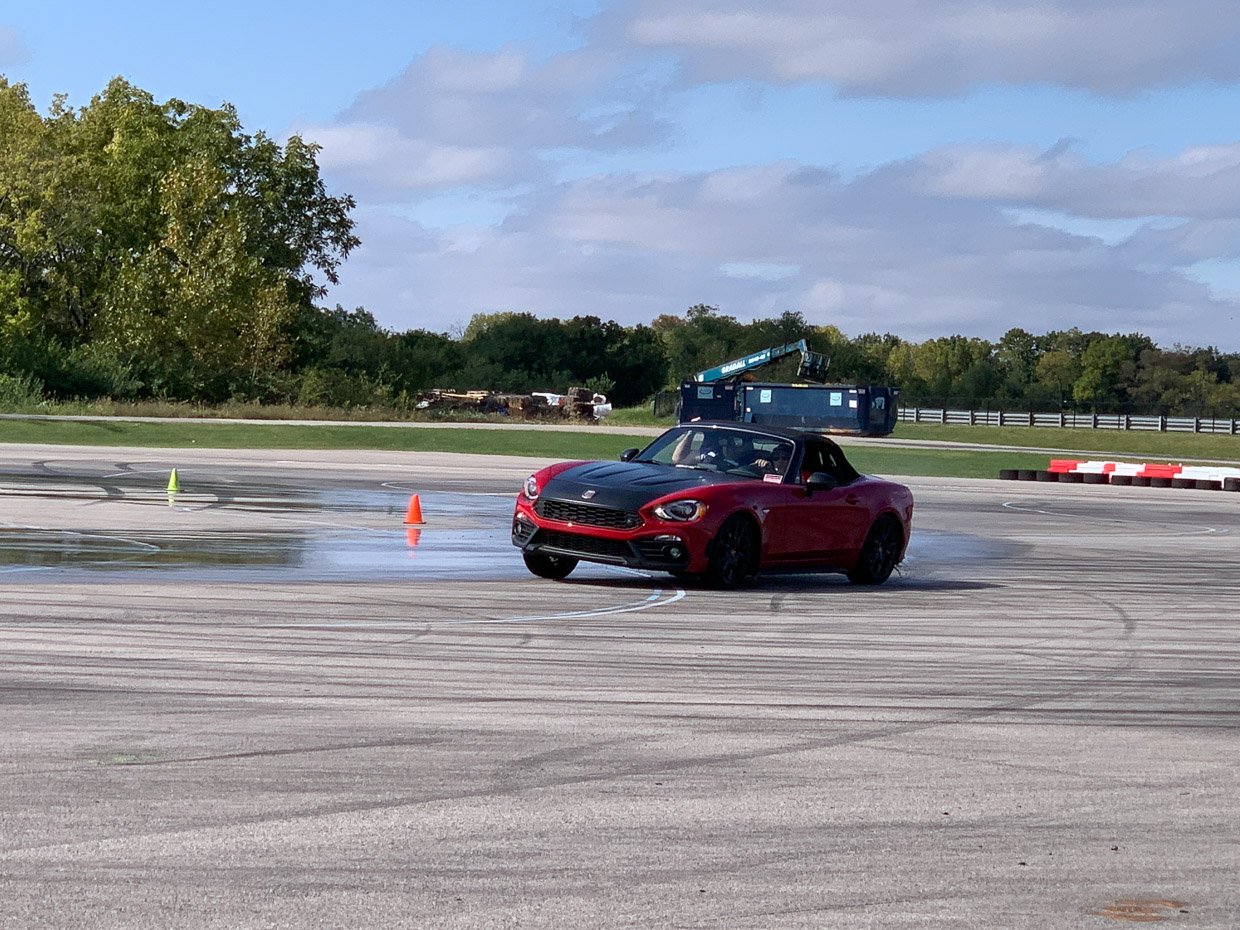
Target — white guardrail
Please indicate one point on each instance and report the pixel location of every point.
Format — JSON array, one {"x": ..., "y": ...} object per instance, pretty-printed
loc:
[{"x": 1116, "y": 421}]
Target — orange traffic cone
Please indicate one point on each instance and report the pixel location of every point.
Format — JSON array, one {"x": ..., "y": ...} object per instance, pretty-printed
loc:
[{"x": 414, "y": 514}]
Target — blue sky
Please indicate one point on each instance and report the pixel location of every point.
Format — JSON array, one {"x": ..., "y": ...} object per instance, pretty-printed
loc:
[{"x": 919, "y": 167}]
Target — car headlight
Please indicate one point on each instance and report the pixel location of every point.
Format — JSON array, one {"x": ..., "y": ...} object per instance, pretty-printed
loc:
[
  {"x": 681, "y": 511},
  {"x": 531, "y": 488}
]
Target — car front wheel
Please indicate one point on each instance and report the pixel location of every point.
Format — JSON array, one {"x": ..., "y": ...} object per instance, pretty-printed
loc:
[
  {"x": 555, "y": 567},
  {"x": 733, "y": 553},
  {"x": 879, "y": 552}
]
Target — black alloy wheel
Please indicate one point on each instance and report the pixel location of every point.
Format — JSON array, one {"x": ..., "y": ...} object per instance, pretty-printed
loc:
[
  {"x": 555, "y": 567},
  {"x": 733, "y": 553},
  {"x": 879, "y": 552}
]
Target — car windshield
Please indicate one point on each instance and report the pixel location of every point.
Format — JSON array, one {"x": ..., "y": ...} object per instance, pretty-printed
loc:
[{"x": 712, "y": 449}]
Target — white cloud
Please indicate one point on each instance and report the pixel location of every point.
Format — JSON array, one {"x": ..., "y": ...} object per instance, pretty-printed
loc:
[
  {"x": 972, "y": 238},
  {"x": 454, "y": 118},
  {"x": 919, "y": 48},
  {"x": 882, "y": 252},
  {"x": 765, "y": 271},
  {"x": 376, "y": 159},
  {"x": 1201, "y": 182}
]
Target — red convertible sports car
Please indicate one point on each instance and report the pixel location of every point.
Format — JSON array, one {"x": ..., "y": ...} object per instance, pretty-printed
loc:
[{"x": 721, "y": 501}]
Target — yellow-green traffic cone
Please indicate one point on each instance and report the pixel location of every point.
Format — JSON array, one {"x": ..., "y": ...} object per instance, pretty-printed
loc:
[{"x": 173, "y": 484}]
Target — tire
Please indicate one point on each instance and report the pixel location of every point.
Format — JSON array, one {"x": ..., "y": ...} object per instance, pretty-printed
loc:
[
  {"x": 734, "y": 554},
  {"x": 1072, "y": 477},
  {"x": 1125, "y": 480},
  {"x": 555, "y": 567},
  {"x": 1140, "y": 481},
  {"x": 1044, "y": 475},
  {"x": 1231, "y": 484},
  {"x": 1095, "y": 478},
  {"x": 1160, "y": 482},
  {"x": 1183, "y": 482},
  {"x": 879, "y": 552},
  {"x": 1007, "y": 474},
  {"x": 1026, "y": 474},
  {"x": 1207, "y": 484}
]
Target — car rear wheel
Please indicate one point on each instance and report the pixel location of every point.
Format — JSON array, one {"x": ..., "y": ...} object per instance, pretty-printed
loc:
[
  {"x": 879, "y": 552},
  {"x": 555, "y": 567},
  {"x": 733, "y": 553}
]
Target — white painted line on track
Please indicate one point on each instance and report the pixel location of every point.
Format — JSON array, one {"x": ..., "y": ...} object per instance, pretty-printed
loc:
[
  {"x": 398, "y": 486},
  {"x": 1179, "y": 531},
  {"x": 656, "y": 599},
  {"x": 47, "y": 529},
  {"x": 360, "y": 466},
  {"x": 15, "y": 569},
  {"x": 135, "y": 472}
]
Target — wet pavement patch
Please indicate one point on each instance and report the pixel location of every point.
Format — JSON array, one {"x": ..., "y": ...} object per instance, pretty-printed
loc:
[
  {"x": 463, "y": 534},
  {"x": 425, "y": 553}
]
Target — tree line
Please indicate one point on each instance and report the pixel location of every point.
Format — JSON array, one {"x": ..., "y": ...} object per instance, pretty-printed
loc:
[{"x": 157, "y": 250}]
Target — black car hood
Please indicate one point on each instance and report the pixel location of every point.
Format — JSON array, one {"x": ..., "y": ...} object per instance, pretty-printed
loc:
[{"x": 628, "y": 485}]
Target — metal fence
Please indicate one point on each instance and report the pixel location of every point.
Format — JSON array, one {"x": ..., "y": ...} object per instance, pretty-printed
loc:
[{"x": 1116, "y": 421}]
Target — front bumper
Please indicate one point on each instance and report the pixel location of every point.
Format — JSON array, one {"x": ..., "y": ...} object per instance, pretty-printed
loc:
[{"x": 659, "y": 548}]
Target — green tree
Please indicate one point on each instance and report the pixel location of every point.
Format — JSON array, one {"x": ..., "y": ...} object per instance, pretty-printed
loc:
[
  {"x": 21, "y": 144},
  {"x": 940, "y": 364},
  {"x": 638, "y": 365},
  {"x": 869, "y": 359},
  {"x": 1108, "y": 367},
  {"x": 164, "y": 232},
  {"x": 1057, "y": 370},
  {"x": 1016, "y": 356},
  {"x": 198, "y": 312},
  {"x": 789, "y": 326},
  {"x": 704, "y": 337}
]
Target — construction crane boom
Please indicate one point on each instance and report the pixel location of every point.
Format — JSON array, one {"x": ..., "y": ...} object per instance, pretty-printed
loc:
[{"x": 813, "y": 365}]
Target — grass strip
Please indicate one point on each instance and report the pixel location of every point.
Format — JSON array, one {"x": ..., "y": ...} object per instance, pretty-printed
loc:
[
  {"x": 939, "y": 463},
  {"x": 1134, "y": 444},
  {"x": 183, "y": 434},
  {"x": 553, "y": 444}
]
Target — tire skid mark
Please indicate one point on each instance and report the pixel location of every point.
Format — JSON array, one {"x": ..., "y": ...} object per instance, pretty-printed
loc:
[
  {"x": 499, "y": 789},
  {"x": 292, "y": 751},
  {"x": 505, "y": 785}
]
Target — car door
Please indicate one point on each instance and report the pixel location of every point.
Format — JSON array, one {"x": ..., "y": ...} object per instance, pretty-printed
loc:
[
  {"x": 826, "y": 526},
  {"x": 772, "y": 500}
]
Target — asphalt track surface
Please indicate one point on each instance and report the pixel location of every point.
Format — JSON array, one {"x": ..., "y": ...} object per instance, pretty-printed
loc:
[{"x": 267, "y": 703}]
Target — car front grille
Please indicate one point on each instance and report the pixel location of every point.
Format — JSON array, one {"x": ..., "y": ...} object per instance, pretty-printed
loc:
[
  {"x": 587, "y": 514},
  {"x": 584, "y": 546}
]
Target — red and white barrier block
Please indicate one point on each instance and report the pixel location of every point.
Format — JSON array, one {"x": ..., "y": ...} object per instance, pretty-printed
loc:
[{"x": 1146, "y": 474}]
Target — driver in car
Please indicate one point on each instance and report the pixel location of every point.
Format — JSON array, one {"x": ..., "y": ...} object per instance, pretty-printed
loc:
[
  {"x": 775, "y": 462},
  {"x": 713, "y": 452},
  {"x": 710, "y": 453}
]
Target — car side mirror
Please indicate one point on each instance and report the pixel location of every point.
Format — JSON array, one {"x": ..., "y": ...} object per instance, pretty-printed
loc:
[
  {"x": 629, "y": 454},
  {"x": 821, "y": 481}
]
